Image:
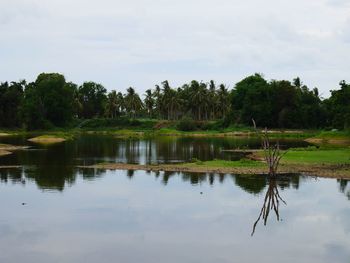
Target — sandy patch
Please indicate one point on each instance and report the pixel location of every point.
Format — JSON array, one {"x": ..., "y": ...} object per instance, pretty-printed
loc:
[{"x": 47, "y": 139}]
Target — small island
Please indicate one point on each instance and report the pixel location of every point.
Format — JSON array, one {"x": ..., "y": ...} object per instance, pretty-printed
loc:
[{"x": 47, "y": 139}]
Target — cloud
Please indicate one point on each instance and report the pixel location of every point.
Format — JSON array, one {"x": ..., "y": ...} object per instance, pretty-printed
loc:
[
  {"x": 338, "y": 3},
  {"x": 142, "y": 42}
]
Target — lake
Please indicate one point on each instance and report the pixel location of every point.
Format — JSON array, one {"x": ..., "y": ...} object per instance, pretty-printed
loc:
[{"x": 54, "y": 212}]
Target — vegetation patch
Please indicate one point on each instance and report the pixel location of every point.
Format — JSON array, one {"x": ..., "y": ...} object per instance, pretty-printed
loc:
[
  {"x": 128, "y": 134},
  {"x": 48, "y": 139},
  {"x": 340, "y": 138},
  {"x": 336, "y": 156},
  {"x": 332, "y": 163}
]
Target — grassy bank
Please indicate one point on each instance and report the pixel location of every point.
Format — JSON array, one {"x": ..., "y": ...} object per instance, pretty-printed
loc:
[
  {"x": 335, "y": 156},
  {"x": 324, "y": 163},
  {"x": 124, "y": 127}
]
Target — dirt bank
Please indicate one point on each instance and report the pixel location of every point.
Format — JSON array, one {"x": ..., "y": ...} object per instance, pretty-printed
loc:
[
  {"x": 335, "y": 141},
  {"x": 328, "y": 171}
]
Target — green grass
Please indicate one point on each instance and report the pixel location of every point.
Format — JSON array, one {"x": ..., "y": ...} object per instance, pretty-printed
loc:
[
  {"x": 226, "y": 164},
  {"x": 338, "y": 156},
  {"x": 152, "y": 127},
  {"x": 333, "y": 135},
  {"x": 334, "y": 156},
  {"x": 173, "y": 131}
]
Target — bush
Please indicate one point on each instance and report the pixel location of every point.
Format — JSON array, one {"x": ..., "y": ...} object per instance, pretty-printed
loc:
[
  {"x": 121, "y": 122},
  {"x": 186, "y": 124}
]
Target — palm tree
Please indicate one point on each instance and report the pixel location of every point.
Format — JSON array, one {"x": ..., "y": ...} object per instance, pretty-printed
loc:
[
  {"x": 165, "y": 106},
  {"x": 224, "y": 100},
  {"x": 157, "y": 96},
  {"x": 120, "y": 103},
  {"x": 212, "y": 100},
  {"x": 112, "y": 104},
  {"x": 149, "y": 102},
  {"x": 174, "y": 104},
  {"x": 198, "y": 99},
  {"x": 133, "y": 103}
]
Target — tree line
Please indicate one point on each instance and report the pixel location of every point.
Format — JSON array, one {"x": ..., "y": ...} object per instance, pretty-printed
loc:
[{"x": 51, "y": 101}]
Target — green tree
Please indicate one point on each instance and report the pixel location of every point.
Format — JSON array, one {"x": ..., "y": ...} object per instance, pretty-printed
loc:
[
  {"x": 93, "y": 98},
  {"x": 198, "y": 99},
  {"x": 338, "y": 106},
  {"x": 112, "y": 107},
  {"x": 223, "y": 101},
  {"x": 251, "y": 98},
  {"x": 149, "y": 103},
  {"x": 11, "y": 98},
  {"x": 133, "y": 103},
  {"x": 48, "y": 101}
]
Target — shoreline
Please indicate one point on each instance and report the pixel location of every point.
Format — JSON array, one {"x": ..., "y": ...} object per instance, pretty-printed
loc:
[{"x": 325, "y": 171}]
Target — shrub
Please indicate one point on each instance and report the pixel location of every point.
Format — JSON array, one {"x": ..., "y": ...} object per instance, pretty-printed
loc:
[{"x": 186, "y": 124}]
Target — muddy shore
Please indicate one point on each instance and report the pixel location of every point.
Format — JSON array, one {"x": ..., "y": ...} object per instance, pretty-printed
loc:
[{"x": 327, "y": 171}]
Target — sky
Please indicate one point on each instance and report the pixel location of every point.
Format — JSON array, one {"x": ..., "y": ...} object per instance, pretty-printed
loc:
[{"x": 140, "y": 43}]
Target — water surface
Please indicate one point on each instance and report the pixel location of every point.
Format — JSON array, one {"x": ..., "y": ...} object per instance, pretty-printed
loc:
[{"x": 53, "y": 212}]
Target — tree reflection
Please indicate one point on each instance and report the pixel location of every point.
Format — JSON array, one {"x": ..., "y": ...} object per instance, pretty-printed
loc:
[
  {"x": 271, "y": 202},
  {"x": 53, "y": 167},
  {"x": 344, "y": 187}
]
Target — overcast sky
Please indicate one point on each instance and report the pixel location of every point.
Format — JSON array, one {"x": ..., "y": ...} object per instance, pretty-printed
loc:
[{"x": 143, "y": 42}]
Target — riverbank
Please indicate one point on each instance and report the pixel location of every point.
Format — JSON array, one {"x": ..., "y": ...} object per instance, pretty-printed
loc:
[
  {"x": 314, "y": 161},
  {"x": 171, "y": 132},
  {"x": 326, "y": 171},
  {"x": 124, "y": 127}
]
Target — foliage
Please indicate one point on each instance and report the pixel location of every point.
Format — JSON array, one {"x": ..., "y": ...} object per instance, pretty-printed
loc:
[
  {"x": 338, "y": 107},
  {"x": 121, "y": 122},
  {"x": 50, "y": 102},
  {"x": 92, "y": 98},
  {"x": 11, "y": 99},
  {"x": 186, "y": 124},
  {"x": 335, "y": 156},
  {"x": 278, "y": 104}
]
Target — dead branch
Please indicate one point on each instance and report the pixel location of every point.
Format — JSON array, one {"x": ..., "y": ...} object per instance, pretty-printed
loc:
[{"x": 272, "y": 152}]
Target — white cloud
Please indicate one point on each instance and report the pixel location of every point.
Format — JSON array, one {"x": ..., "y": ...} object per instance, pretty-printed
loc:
[{"x": 142, "y": 42}]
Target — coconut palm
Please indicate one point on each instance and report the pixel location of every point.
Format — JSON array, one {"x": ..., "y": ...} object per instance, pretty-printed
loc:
[
  {"x": 198, "y": 99},
  {"x": 133, "y": 103},
  {"x": 149, "y": 102},
  {"x": 223, "y": 100}
]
